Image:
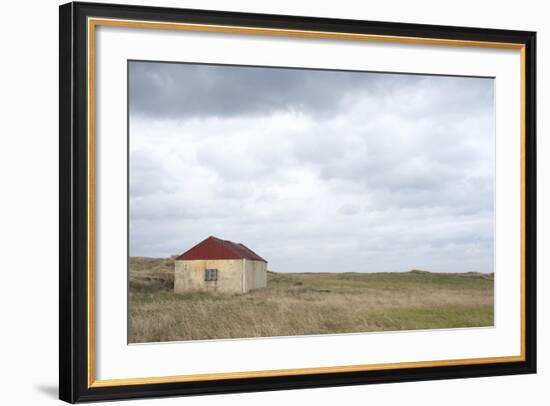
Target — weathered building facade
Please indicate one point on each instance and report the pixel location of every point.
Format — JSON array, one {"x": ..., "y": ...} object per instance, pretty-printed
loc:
[{"x": 219, "y": 265}]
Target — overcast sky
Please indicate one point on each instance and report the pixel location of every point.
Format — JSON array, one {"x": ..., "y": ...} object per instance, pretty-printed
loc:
[{"x": 314, "y": 170}]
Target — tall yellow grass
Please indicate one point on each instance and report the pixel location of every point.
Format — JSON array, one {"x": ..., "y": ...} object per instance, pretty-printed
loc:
[{"x": 305, "y": 303}]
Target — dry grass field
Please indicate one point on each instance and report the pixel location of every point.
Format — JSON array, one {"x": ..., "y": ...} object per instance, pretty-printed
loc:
[{"x": 305, "y": 303}]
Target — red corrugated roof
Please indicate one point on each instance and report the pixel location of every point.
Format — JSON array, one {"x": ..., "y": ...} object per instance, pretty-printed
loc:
[{"x": 215, "y": 248}]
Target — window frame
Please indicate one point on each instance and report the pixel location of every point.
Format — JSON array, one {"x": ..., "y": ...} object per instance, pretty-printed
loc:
[{"x": 210, "y": 274}]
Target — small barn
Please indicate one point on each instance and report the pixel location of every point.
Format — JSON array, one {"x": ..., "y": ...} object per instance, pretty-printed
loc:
[{"x": 219, "y": 265}]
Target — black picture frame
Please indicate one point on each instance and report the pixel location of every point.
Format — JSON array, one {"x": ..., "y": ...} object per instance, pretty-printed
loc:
[{"x": 74, "y": 199}]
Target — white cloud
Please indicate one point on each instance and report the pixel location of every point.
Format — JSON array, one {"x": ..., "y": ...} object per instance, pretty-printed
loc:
[{"x": 393, "y": 179}]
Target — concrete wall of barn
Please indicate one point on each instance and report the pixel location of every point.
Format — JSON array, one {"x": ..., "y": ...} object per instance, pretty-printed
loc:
[
  {"x": 255, "y": 274},
  {"x": 189, "y": 275},
  {"x": 234, "y": 275}
]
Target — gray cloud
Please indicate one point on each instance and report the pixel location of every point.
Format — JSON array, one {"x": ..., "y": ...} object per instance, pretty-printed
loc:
[
  {"x": 181, "y": 90},
  {"x": 348, "y": 209},
  {"x": 374, "y": 172},
  {"x": 143, "y": 170}
]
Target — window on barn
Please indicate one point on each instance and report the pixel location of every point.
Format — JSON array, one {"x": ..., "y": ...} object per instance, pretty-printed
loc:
[{"x": 210, "y": 275}]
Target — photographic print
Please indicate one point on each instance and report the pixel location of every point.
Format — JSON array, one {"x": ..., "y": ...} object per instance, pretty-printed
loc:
[{"x": 269, "y": 201}]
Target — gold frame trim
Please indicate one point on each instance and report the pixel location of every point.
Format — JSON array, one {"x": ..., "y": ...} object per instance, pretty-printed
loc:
[{"x": 94, "y": 22}]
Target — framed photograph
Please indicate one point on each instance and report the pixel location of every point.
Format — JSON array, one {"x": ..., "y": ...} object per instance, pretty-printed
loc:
[{"x": 258, "y": 202}]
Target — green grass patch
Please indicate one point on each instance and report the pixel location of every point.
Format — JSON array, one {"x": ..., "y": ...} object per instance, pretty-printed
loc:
[{"x": 448, "y": 316}]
